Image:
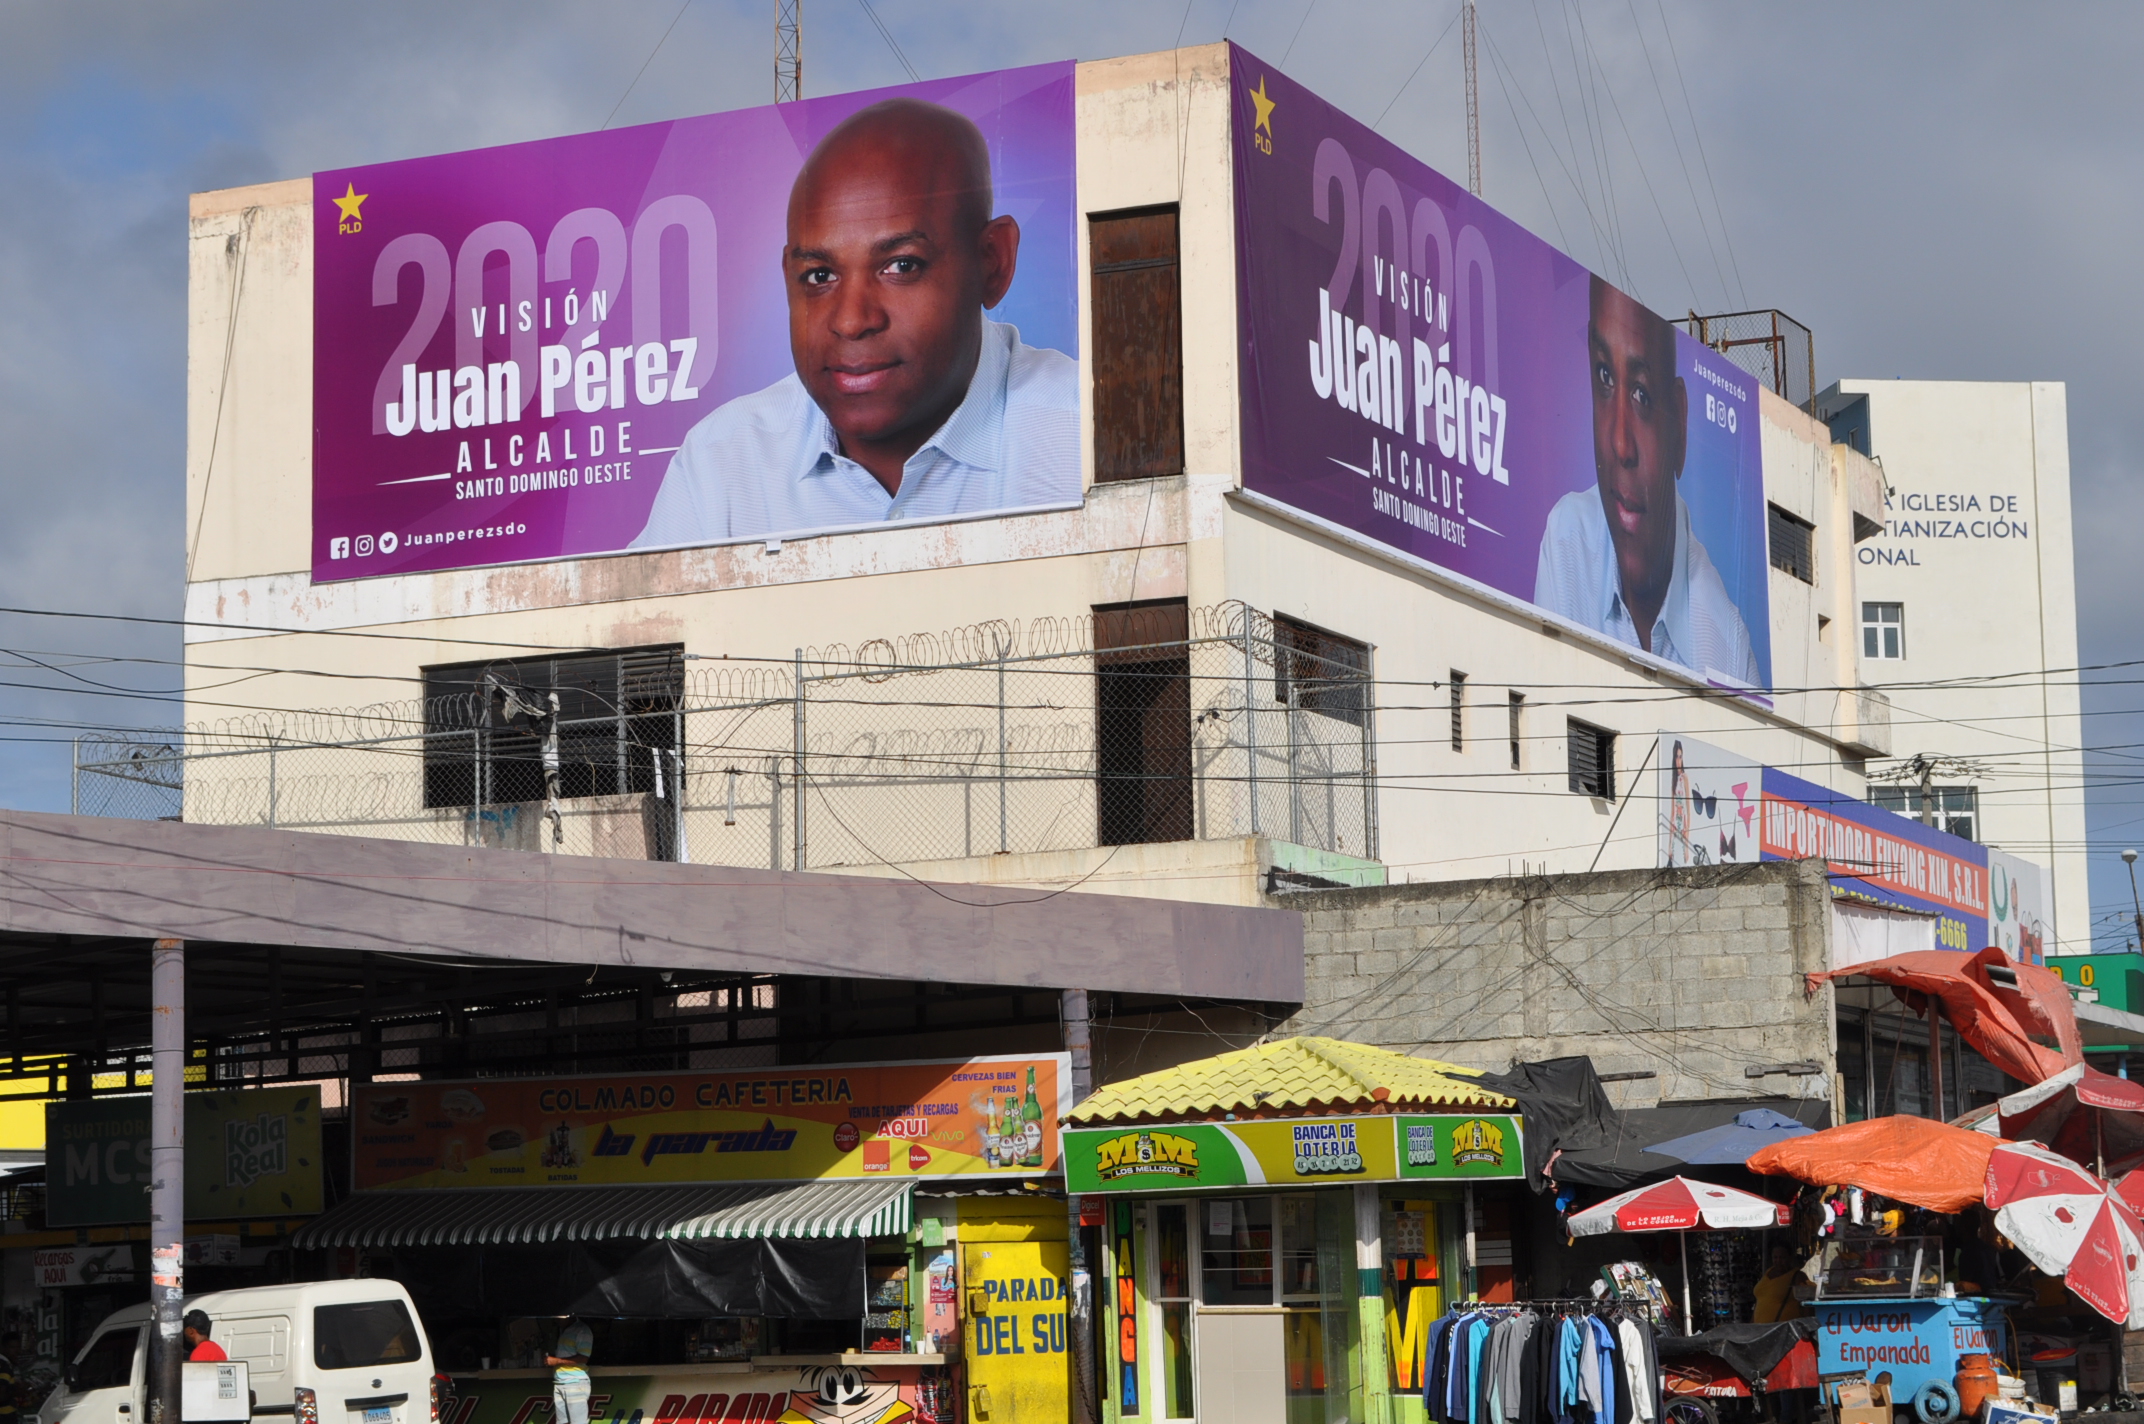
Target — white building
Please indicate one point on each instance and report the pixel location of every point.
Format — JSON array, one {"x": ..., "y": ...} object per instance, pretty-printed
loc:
[
  {"x": 1968, "y": 616},
  {"x": 1473, "y": 754}
]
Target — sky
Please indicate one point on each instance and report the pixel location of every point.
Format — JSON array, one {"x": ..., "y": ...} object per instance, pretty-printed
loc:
[{"x": 1939, "y": 191}]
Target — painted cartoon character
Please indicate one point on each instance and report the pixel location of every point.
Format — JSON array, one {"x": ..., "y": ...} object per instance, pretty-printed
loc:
[{"x": 844, "y": 1394}]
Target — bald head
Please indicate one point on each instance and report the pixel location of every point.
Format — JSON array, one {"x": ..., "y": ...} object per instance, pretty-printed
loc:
[
  {"x": 930, "y": 150},
  {"x": 893, "y": 254}
]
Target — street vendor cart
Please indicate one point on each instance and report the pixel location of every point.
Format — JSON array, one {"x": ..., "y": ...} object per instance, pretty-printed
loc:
[{"x": 1881, "y": 1309}]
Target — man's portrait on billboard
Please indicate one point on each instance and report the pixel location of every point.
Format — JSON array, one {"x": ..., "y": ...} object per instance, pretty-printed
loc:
[
  {"x": 1621, "y": 558},
  {"x": 907, "y": 402}
]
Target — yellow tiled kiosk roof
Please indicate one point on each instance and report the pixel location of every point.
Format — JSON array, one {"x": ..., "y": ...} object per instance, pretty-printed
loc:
[{"x": 1288, "y": 1078}]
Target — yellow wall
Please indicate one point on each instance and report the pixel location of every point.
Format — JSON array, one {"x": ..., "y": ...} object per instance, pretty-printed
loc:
[{"x": 22, "y": 1124}]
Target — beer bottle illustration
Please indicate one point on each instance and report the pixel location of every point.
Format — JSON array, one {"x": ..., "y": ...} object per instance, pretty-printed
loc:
[
  {"x": 1031, "y": 1124},
  {"x": 990, "y": 1131},
  {"x": 1009, "y": 1132}
]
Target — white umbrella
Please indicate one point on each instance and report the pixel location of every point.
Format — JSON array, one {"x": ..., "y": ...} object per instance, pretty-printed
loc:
[{"x": 1681, "y": 1205}]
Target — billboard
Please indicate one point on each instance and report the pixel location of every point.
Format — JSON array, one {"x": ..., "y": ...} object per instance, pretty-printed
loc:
[
  {"x": 250, "y": 1153},
  {"x": 1708, "y": 803},
  {"x": 1717, "y": 808},
  {"x": 773, "y": 322},
  {"x": 1420, "y": 371},
  {"x": 979, "y": 1117}
]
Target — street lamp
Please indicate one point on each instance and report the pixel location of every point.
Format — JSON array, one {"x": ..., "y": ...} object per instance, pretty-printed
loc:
[{"x": 2129, "y": 858}]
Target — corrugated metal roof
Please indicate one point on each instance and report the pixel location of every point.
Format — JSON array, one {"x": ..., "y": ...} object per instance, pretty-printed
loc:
[
  {"x": 1293, "y": 1075},
  {"x": 538, "y": 1215}
]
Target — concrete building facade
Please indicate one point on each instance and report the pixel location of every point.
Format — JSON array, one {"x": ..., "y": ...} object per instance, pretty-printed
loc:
[
  {"x": 1461, "y": 769},
  {"x": 1968, "y": 616}
]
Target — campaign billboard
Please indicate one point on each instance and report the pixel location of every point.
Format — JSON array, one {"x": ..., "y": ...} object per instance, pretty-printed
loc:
[
  {"x": 1420, "y": 371},
  {"x": 978, "y": 1117},
  {"x": 779, "y": 321}
]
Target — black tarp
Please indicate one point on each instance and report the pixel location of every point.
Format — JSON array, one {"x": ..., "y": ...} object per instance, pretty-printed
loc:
[
  {"x": 796, "y": 1278},
  {"x": 1565, "y": 1107},
  {"x": 1751, "y": 1351},
  {"x": 1622, "y": 1161}
]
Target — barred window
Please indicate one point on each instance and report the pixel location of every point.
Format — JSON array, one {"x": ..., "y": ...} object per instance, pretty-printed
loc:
[
  {"x": 1142, "y": 673},
  {"x": 1459, "y": 710},
  {"x": 1793, "y": 544},
  {"x": 1592, "y": 754},
  {"x": 618, "y": 711},
  {"x": 1322, "y": 671}
]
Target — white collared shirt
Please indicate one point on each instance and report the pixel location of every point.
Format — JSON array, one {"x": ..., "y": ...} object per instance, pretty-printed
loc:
[
  {"x": 1698, "y": 626},
  {"x": 768, "y": 464}
]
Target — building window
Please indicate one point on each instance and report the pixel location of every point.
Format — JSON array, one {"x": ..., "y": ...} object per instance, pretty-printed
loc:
[
  {"x": 617, "y": 712},
  {"x": 1883, "y": 630},
  {"x": 1323, "y": 672},
  {"x": 1956, "y": 808},
  {"x": 1592, "y": 755},
  {"x": 1138, "y": 355},
  {"x": 1793, "y": 544},
  {"x": 1459, "y": 710},
  {"x": 1142, "y": 670},
  {"x": 1516, "y": 706}
]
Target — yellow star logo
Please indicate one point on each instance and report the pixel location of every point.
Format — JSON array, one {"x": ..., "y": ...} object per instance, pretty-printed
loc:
[
  {"x": 1264, "y": 107},
  {"x": 349, "y": 203}
]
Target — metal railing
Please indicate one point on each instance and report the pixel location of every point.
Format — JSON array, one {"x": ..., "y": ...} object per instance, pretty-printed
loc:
[
  {"x": 1770, "y": 345},
  {"x": 995, "y": 738}
]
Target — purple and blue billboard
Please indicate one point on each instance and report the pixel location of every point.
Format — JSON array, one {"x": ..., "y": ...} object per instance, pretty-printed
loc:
[
  {"x": 1420, "y": 371},
  {"x": 831, "y": 314}
]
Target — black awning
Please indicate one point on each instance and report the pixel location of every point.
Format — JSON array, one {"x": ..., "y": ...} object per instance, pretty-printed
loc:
[{"x": 1623, "y": 1160}]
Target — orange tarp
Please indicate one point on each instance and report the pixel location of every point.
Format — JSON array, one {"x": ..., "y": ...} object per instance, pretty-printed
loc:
[
  {"x": 1909, "y": 1159},
  {"x": 2029, "y": 1031}
]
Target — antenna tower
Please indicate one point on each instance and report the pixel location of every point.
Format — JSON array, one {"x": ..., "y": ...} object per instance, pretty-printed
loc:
[
  {"x": 789, "y": 50},
  {"x": 1473, "y": 105}
]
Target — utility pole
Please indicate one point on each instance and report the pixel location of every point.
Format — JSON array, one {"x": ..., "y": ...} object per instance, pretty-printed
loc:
[
  {"x": 1079, "y": 1043},
  {"x": 788, "y": 51},
  {"x": 2129, "y": 858},
  {"x": 167, "y": 1176},
  {"x": 1473, "y": 104},
  {"x": 1926, "y": 766}
]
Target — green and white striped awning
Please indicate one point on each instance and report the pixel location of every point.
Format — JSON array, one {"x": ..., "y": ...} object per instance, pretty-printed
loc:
[{"x": 535, "y": 1216}]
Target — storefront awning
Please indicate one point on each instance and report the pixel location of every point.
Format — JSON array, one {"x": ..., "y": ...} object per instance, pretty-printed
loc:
[{"x": 534, "y": 1216}]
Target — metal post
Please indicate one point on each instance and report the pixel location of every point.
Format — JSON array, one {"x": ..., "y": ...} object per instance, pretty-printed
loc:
[
  {"x": 1935, "y": 1063},
  {"x": 1369, "y": 754},
  {"x": 1295, "y": 770},
  {"x": 1079, "y": 1044},
  {"x": 271, "y": 778},
  {"x": 167, "y": 1176},
  {"x": 683, "y": 852},
  {"x": 796, "y": 831},
  {"x": 74, "y": 796},
  {"x": 1004, "y": 830},
  {"x": 1250, "y": 714}
]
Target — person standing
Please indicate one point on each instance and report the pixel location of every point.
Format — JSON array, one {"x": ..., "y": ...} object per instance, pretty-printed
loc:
[
  {"x": 569, "y": 1373},
  {"x": 196, "y": 1333}
]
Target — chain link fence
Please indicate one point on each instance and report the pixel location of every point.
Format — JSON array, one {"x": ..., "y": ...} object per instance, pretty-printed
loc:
[
  {"x": 1055, "y": 735},
  {"x": 1772, "y": 346}
]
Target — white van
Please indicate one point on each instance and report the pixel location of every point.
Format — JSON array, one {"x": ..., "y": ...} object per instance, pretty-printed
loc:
[{"x": 319, "y": 1352}]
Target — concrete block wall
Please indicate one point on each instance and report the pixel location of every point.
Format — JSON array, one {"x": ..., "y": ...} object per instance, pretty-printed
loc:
[{"x": 1693, "y": 975}]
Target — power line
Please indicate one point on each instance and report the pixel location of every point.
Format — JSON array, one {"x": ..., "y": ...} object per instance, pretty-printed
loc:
[{"x": 644, "y": 65}]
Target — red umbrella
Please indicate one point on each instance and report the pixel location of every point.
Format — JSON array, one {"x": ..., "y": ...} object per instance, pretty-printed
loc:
[
  {"x": 2071, "y": 1224},
  {"x": 1679, "y": 1204},
  {"x": 2088, "y": 1116}
]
